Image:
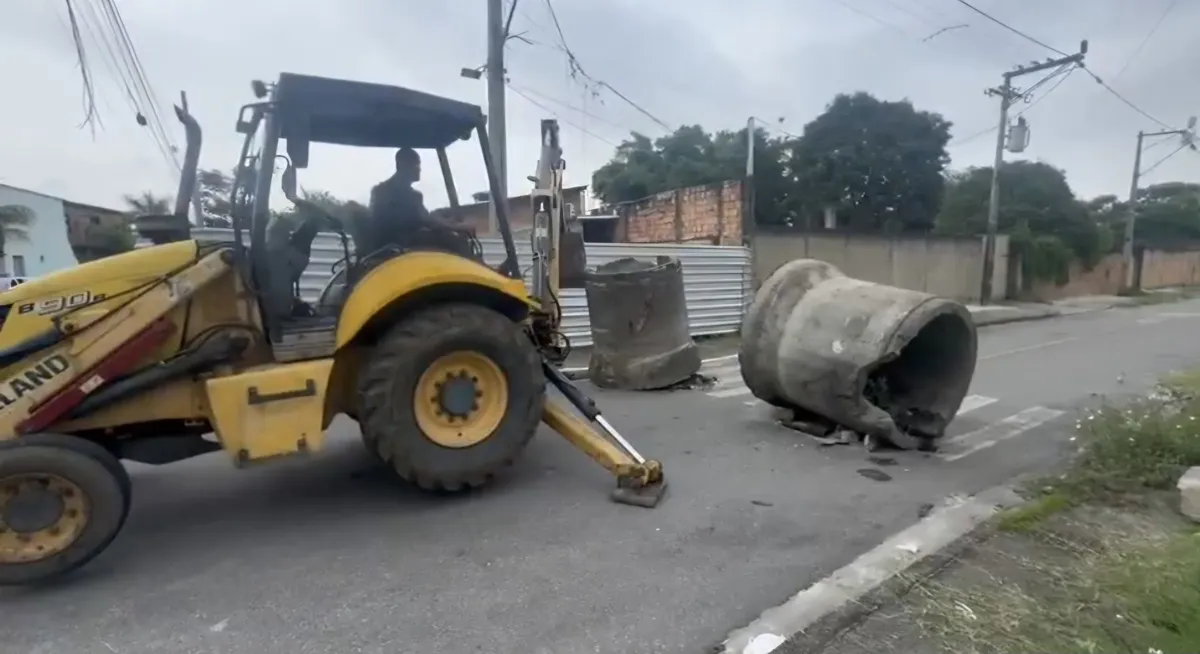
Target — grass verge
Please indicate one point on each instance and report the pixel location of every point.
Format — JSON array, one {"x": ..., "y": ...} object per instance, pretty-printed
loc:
[
  {"x": 1097, "y": 561},
  {"x": 1142, "y": 298}
]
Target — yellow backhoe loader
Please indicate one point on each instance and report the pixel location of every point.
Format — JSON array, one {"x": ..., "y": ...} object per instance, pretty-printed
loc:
[{"x": 442, "y": 360}]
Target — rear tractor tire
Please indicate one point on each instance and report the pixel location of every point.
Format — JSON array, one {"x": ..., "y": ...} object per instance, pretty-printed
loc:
[
  {"x": 62, "y": 502},
  {"x": 451, "y": 395}
]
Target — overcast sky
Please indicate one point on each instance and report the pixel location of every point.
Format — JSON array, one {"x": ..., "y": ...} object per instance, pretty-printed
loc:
[{"x": 712, "y": 62}]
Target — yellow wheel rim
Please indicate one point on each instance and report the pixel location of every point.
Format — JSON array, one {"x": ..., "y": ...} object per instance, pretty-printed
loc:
[
  {"x": 460, "y": 399},
  {"x": 41, "y": 515}
]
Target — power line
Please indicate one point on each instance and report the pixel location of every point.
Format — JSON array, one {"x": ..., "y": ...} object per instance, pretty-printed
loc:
[
  {"x": 1163, "y": 160},
  {"x": 566, "y": 105},
  {"x": 1062, "y": 73},
  {"x": 1094, "y": 76},
  {"x": 907, "y": 10},
  {"x": 867, "y": 14},
  {"x": 1010, "y": 27},
  {"x": 140, "y": 75},
  {"x": 90, "y": 117},
  {"x": 1149, "y": 35},
  {"x": 554, "y": 113},
  {"x": 576, "y": 68},
  {"x": 106, "y": 27},
  {"x": 774, "y": 127},
  {"x": 1125, "y": 100}
]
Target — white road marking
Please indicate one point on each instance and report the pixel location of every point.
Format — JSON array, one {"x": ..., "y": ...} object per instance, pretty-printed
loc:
[
  {"x": 729, "y": 381},
  {"x": 1028, "y": 348},
  {"x": 972, "y": 402},
  {"x": 998, "y": 432},
  {"x": 723, "y": 373},
  {"x": 1165, "y": 316},
  {"x": 941, "y": 527},
  {"x": 730, "y": 392}
]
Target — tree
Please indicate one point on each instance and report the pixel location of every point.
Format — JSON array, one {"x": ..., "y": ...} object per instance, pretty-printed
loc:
[
  {"x": 215, "y": 188},
  {"x": 105, "y": 240},
  {"x": 349, "y": 212},
  {"x": 879, "y": 164},
  {"x": 15, "y": 222},
  {"x": 147, "y": 203},
  {"x": 690, "y": 156},
  {"x": 1049, "y": 227},
  {"x": 1168, "y": 215}
]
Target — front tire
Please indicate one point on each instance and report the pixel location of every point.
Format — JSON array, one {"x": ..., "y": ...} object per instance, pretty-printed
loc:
[
  {"x": 451, "y": 395},
  {"x": 62, "y": 502}
]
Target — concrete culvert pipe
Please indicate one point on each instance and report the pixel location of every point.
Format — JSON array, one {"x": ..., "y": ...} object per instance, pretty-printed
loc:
[
  {"x": 883, "y": 361},
  {"x": 639, "y": 322}
]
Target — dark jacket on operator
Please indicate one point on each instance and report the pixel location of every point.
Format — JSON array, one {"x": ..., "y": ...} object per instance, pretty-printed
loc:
[{"x": 396, "y": 211}]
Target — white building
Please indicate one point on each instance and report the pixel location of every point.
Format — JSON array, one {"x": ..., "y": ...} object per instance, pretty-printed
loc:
[{"x": 47, "y": 246}]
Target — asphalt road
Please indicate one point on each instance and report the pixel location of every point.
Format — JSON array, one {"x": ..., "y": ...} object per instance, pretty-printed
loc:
[{"x": 330, "y": 555}]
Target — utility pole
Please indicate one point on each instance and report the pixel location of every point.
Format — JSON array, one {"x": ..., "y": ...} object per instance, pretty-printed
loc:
[
  {"x": 748, "y": 222},
  {"x": 1131, "y": 215},
  {"x": 496, "y": 120},
  {"x": 1007, "y": 95},
  {"x": 1188, "y": 136}
]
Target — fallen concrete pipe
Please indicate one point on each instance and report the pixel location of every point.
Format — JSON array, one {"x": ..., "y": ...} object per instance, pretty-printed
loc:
[
  {"x": 886, "y": 362},
  {"x": 639, "y": 320}
]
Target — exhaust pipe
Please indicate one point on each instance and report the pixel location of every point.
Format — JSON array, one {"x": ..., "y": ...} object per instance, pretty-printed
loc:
[
  {"x": 173, "y": 227},
  {"x": 191, "y": 160}
]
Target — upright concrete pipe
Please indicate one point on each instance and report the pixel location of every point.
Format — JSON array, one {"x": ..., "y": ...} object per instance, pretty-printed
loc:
[
  {"x": 883, "y": 361},
  {"x": 639, "y": 319}
]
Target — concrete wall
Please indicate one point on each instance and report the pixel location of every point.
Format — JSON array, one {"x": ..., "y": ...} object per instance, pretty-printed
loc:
[
  {"x": 949, "y": 267},
  {"x": 45, "y": 248},
  {"x": 1160, "y": 269},
  {"x": 709, "y": 214},
  {"x": 1165, "y": 269},
  {"x": 1105, "y": 278}
]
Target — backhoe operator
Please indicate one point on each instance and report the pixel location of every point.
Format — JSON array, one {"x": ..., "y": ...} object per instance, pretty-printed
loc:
[{"x": 399, "y": 218}]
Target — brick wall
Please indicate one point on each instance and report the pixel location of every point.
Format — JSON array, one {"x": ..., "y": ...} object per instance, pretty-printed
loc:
[{"x": 711, "y": 214}]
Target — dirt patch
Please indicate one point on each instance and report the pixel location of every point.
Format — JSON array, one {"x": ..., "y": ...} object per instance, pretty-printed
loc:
[
  {"x": 1091, "y": 579},
  {"x": 1097, "y": 561}
]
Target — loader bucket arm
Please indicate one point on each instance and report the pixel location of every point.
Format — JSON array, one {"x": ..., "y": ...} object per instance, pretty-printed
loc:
[{"x": 640, "y": 481}]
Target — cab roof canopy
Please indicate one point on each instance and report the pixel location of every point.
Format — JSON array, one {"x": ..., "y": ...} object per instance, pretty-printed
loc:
[{"x": 345, "y": 112}]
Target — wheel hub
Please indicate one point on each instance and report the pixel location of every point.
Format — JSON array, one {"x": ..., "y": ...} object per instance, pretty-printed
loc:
[
  {"x": 40, "y": 515},
  {"x": 460, "y": 399},
  {"x": 458, "y": 395}
]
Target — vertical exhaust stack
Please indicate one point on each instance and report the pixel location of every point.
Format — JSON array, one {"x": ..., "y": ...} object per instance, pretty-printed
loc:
[
  {"x": 160, "y": 229},
  {"x": 191, "y": 162}
]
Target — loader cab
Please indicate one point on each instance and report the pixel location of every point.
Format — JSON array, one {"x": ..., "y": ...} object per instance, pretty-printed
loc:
[{"x": 300, "y": 110}]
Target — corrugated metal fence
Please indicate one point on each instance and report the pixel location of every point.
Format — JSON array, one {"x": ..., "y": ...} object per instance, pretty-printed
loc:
[{"x": 718, "y": 279}]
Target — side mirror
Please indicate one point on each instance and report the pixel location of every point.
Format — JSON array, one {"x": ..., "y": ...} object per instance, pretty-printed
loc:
[{"x": 288, "y": 182}]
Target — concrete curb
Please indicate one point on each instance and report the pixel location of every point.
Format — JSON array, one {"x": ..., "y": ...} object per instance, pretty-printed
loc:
[
  {"x": 1007, "y": 320},
  {"x": 812, "y": 618}
]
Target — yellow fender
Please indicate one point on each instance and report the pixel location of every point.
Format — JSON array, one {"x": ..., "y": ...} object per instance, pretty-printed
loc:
[{"x": 422, "y": 278}]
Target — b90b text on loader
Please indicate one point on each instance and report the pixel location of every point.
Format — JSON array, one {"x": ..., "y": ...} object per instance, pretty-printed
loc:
[{"x": 442, "y": 360}]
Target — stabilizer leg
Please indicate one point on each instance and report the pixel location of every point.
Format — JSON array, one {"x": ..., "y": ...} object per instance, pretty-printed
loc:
[{"x": 640, "y": 481}]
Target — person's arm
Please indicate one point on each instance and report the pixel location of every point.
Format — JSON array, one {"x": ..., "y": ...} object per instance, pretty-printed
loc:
[
  {"x": 426, "y": 218},
  {"x": 368, "y": 225}
]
